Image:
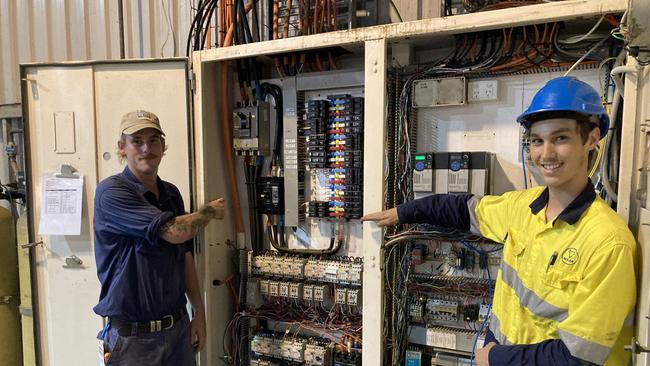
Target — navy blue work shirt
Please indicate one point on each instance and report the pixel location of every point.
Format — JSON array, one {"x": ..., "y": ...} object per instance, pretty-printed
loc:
[{"x": 142, "y": 275}]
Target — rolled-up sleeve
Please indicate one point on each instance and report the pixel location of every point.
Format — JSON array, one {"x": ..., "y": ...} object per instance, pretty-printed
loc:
[
  {"x": 124, "y": 212},
  {"x": 178, "y": 200}
]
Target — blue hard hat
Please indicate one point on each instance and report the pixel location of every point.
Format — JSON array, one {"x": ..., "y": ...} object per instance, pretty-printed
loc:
[{"x": 566, "y": 97}]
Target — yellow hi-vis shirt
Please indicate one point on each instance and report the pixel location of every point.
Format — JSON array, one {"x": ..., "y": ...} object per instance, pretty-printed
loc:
[{"x": 572, "y": 278}]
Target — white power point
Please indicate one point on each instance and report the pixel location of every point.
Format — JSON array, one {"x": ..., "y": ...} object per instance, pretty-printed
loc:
[{"x": 481, "y": 90}]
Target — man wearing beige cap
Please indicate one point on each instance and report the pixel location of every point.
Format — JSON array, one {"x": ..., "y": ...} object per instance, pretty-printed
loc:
[{"x": 143, "y": 250}]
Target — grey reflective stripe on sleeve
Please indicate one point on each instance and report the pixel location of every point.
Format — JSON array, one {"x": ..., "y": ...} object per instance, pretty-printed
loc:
[
  {"x": 584, "y": 349},
  {"x": 629, "y": 319},
  {"x": 496, "y": 330},
  {"x": 528, "y": 298},
  {"x": 474, "y": 227}
]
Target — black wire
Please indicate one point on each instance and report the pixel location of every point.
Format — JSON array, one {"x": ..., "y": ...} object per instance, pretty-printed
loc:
[
  {"x": 457, "y": 49},
  {"x": 497, "y": 44},
  {"x": 247, "y": 36},
  {"x": 276, "y": 92},
  {"x": 213, "y": 6},
  {"x": 480, "y": 53},
  {"x": 514, "y": 34},
  {"x": 259, "y": 163},
  {"x": 194, "y": 28},
  {"x": 256, "y": 21},
  {"x": 235, "y": 29},
  {"x": 269, "y": 16},
  {"x": 467, "y": 46},
  {"x": 235, "y": 37},
  {"x": 199, "y": 28},
  {"x": 12, "y": 203},
  {"x": 243, "y": 37},
  {"x": 251, "y": 206}
]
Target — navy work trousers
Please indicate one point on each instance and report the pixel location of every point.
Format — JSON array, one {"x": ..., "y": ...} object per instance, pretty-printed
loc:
[{"x": 165, "y": 348}]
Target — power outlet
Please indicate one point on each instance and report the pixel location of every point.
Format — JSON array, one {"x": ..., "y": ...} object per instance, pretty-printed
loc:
[{"x": 482, "y": 90}]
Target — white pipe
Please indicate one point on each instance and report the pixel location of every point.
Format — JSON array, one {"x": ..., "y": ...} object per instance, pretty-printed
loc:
[
  {"x": 617, "y": 79},
  {"x": 611, "y": 193}
]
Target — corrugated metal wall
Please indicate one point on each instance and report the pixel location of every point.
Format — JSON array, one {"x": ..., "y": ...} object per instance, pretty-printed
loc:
[{"x": 65, "y": 30}]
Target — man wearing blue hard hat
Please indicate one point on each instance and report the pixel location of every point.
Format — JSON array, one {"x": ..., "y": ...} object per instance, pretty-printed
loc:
[{"x": 566, "y": 288}]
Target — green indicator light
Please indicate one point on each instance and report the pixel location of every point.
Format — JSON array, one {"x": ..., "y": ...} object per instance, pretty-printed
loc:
[{"x": 420, "y": 157}]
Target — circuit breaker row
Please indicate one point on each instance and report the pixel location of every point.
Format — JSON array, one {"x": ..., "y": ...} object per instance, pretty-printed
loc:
[
  {"x": 432, "y": 309},
  {"x": 316, "y": 129},
  {"x": 307, "y": 351},
  {"x": 344, "y": 271},
  {"x": 345, "y": 155},
  {"x": 335, "y": 133}
]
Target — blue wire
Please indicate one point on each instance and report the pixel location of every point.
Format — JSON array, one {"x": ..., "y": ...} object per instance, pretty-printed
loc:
[
  {"x": 480, "y": 330},
  {"x": 484, "y": 323},
  {"x": 523, "y": 163},
  {"x": 477, "y": 250}
]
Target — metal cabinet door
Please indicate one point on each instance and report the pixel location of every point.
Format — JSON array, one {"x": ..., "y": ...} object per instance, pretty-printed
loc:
[{"x": 88, "y": 100}]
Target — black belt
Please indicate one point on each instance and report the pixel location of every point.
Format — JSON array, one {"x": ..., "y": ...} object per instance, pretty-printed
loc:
[{"x": 126, "y": 329}]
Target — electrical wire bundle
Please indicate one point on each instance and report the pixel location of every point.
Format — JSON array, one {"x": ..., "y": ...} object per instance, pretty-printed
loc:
[
  {"x": 473, "y": 6},
  {"x": 345, "y": 337},
  {"x": 338, "y": 318},
  {"x": 397, "y": 272},
  {"x": 200, "y": 27},
  {"x": 14, "y": 196},
  {"x": 302, "y": 18},
  {"x": 252, "y": 169},
  {"x": 242, "y": 22},
  {"x": 400, "y": 283}
]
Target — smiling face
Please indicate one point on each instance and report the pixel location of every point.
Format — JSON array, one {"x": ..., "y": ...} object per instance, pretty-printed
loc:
[
  {"x": 143, "y": 151},
  {"x": 560, "y": 153}
]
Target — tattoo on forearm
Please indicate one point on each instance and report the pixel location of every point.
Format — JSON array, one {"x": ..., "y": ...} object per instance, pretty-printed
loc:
[
  {"x": 208, "y": 210},
  {"x": 188, "y": 224},
  {"x": 165, "y": 229}
]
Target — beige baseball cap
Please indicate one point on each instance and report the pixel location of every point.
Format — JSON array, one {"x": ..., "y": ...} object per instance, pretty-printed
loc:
[{"x": 133, "y": 122}]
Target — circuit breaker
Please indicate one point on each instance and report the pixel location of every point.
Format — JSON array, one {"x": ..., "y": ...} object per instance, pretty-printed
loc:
[
  {"x": 270, "y": 195},
  {"x": 251, "y": 129}
]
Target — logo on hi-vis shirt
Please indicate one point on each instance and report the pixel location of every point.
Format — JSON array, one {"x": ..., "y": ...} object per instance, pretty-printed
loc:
[{"x": 570, "y": 256}]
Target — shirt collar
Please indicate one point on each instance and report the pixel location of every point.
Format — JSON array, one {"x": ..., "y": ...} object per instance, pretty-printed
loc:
[
  {"x": 164, "y": 194},
  {"x": 571, "y": 214}
]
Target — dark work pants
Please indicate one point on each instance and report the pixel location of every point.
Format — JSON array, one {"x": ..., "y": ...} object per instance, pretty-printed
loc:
[{"x": 171, "y": 347}]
